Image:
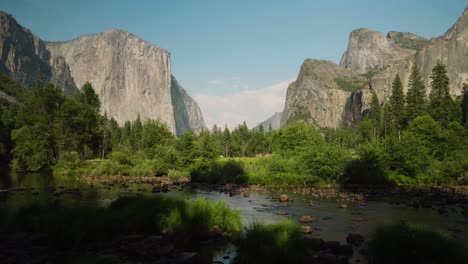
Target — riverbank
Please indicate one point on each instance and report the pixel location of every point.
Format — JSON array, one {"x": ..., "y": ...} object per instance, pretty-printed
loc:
[{"x": 416, "y": 195}]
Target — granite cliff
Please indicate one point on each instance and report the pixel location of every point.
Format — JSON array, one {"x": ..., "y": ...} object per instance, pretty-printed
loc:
[
  {"x": 131, "y": 76},
  {"x": 331, "y": 95}
]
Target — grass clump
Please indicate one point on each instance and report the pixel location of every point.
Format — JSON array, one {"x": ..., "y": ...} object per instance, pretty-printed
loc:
[
  {"x": 273, "y": 243},
  {"x": 404, "y": 243},
  {"x": 197, "y": 216}
]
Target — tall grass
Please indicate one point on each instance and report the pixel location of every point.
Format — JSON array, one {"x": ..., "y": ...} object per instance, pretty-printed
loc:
[
  {"x": 273, "y": 243},
  {"x": 197, "y": 216},
  {"x": 84, "y": 225}
]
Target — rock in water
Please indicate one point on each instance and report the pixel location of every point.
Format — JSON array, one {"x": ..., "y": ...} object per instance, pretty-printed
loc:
[
  {"x": 283, "y": 198},
  {"x": 306, "y": 219}
]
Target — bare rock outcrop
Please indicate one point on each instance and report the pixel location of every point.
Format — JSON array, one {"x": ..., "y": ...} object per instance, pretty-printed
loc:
[
  {"x": 131, "y": 76},
  {"x": 321, "y": 94},
  {"x": 370, "y": 50},
  {"x": 187, "y": 113},
  {"x": 335, "y": 96}
]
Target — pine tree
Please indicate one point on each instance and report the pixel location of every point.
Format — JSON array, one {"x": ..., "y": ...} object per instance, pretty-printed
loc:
[
  {"x": 416, "y": 97},
  {"x": 396, "y": 105},
  {"x": 226, "y": 141},
  {"x": 440, "y": 105},
  {"x": 464, "y": 106},
  {"x": 375, "y": 114}
]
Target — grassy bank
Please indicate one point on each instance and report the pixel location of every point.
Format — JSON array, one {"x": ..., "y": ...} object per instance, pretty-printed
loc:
[{"x": 84, "y": 225}]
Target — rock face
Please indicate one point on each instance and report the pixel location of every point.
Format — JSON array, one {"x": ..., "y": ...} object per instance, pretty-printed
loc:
[
  {"x": 370, "y": 50},
  {"x": 23, "y": 56},
  {"x": 187, "y": 113},
  {"x": 321, "y": 94},
  {"x": 274, "y": 121},
  {"x": 336, "y": 96},
  {"x": 131, "y": 76}
]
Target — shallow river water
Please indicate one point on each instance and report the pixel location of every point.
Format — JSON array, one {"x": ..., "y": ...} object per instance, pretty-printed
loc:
[{"x": 331, "y": 222}]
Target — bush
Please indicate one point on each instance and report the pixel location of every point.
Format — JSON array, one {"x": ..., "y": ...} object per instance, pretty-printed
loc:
[
  {"x": 369, "y": 168},
  {"x": 69, "y": 160},
  {"x": 199, "y": 216},
  {"x": 111, "y": 168},
  {"x": 176, "y": 175},
  {"x": 403, "y": 243},
  {"x": 327, "y": 163},
  {"x": 215, "y": 171},
  {"x": 144, "y": 168},
  {"x": 120, "y": 158},
  {"x": 274, "y": 243}
]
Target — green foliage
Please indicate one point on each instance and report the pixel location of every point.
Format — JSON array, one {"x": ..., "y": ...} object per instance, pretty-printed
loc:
[
  {"x": 88, "y": 96},
  {"x": 292, "y": 139},
  {"x": 375, "y": 115},
  {"x": 350, "y": 84},
  {"x": 176, "y": 175},
  {"x": 403, "y": 243},
  {"x": 72, "y": 227},
  {"x": 326, "y": 163},
  {"x": 216, "y": 171},
  {"x": 369, "y": 167},
  {"x": 199, "y": 216},
  {"x": 274, "y": 243},
  {"x": 416, "y": 101},
  {"x": 410, "y": 43},
  {"x": 464, "y": 106},
  {"x": 441, "y": 105},
  {"x": 397, "y": 105},
  {"x": 31, "y": 147},
  {"x": 120, "y": 158},
  {"x": 69, "y": 160}
]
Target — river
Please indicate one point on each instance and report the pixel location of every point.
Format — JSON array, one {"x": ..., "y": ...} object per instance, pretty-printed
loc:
[{"x": 331, "y": 220}]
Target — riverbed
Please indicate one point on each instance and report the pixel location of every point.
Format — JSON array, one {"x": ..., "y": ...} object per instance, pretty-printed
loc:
[{"x": 334, "y": 216}]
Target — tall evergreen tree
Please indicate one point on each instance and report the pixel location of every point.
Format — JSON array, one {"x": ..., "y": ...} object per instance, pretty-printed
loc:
[
  {"x": 88, "y": 96},
  {"x": 396, "y": 105},
  {"x": 226, "y": 141},
  {"x": 440, "y": 104},
  {"x": 416, "y": 97},
  {"x": 375, "y": 114},
  {"x": 464, "y": 105}
]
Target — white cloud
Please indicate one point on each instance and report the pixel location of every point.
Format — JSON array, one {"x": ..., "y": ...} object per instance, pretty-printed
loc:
[{"x": 252, "y": 106}]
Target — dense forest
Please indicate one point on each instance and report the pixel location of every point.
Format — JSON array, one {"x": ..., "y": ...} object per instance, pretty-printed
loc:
[{"x": 413, "y": 138}]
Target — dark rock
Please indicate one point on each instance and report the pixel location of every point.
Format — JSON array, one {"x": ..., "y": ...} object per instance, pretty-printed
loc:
[
  {"x": 334, "y": 246},
  {"x": 345, "y": 250},
  {"x": 315, "y": 243},
  {"x": 355, "y": 239}
]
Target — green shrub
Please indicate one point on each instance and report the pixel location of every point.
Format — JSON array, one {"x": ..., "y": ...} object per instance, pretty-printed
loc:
[
  {"x": 215, "y": 171},
  {"x": 403, "y": 243},
  {"x": 69, "y": 160},
  {"x": 176, "y": 175},
  {"x": 369, "y": 168},
  {"x": 274, "y": 243},
  {"x": 120, "y": 158},
  {"x": 326, "y": 163},
  {"x": 111, "y": 168},
  {"x": 144, "y": 168}
]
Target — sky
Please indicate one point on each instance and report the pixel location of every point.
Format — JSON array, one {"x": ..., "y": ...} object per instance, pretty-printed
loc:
[{"x": 236, "y": 58}]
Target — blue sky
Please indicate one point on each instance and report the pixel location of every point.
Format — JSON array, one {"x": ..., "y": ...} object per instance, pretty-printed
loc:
[{"x": 226, "y": 48}]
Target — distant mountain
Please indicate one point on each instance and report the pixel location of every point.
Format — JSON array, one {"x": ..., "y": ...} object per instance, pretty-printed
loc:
[
  {"x": 332, "y": 95},
  {"x": 131, "y": 76},
  {"x": 274, "y": 121}
]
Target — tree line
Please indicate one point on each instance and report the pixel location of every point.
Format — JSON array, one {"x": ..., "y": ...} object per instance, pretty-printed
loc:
[{"x": 411, "y": 137}]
